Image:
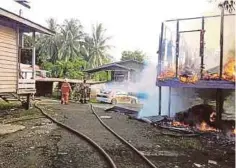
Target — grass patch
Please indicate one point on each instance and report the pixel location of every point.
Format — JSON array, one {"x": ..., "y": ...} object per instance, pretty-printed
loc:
[
  {"x": 93, "y": 100},
  {"x": 6, "y": 106}
]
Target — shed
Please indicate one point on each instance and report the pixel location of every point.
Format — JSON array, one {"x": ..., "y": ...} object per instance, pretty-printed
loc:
[
  {"x": 120, "y": 71},
  {"x": 12, "y": 28}
]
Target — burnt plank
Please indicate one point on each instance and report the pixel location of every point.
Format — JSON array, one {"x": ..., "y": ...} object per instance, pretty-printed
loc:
[{"x": 217, "y": 84}]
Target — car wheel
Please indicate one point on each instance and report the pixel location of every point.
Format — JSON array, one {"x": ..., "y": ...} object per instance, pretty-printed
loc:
[
  {"x": 133, "y": 101},
  {"x": 113, "y": 101}
]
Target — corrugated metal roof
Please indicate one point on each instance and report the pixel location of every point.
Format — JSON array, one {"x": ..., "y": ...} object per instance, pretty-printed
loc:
[{"x": 112, "y": 66}]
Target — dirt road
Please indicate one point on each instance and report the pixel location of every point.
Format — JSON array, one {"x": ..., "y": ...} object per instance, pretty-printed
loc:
[{"x": 42, "y": 144}]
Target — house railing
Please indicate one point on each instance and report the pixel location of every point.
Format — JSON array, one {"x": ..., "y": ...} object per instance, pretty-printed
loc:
[{"x": 26, "y": 83}]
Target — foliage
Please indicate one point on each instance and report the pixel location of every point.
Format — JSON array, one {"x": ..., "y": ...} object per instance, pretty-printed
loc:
[
  {"x": 69, "y": 69},
  {"x": 228, "y": 5},
  {"x": 71, "y": 39},
  {"x": 96, "y": 47},
  {"x": 133, "y": 55},
  {"x": 71, "y": 50}
]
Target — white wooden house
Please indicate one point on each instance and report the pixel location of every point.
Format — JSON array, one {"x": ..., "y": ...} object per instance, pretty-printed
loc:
[{"x": 12, "y": 28}]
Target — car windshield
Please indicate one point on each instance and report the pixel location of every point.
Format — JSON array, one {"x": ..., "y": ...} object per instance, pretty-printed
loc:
[
  {"x": 105, "y": 91},
  {"x": 121, "y": 93}
]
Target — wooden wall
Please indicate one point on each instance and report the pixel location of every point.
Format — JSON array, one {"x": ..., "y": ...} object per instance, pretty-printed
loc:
[{"x": 8, "y": 59}]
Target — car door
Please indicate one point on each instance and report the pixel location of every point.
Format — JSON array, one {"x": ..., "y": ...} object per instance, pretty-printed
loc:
[{"x": 123, "y": 97}]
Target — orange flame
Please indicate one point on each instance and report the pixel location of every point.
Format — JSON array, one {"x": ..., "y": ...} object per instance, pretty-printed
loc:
[
  {"x": 234, "y": 131},
  {"x": 168, "y": 73},
  {"x": 189, "y": 79},
  {"x": 177, "y": 123},
  {"x": 229, "y": 70},
  {"x": 204, "y": 127}
]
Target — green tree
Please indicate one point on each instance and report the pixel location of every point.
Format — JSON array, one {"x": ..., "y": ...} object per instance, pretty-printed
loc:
[
  {"x": 72, "y": 38},
  {"x": 133, "y": 55},
  {"x": 49, "y": 45},
  {"x": 228, "y": 5},
  {"x": 70, "y": 69},
  {"x": 96, "y": 47}
]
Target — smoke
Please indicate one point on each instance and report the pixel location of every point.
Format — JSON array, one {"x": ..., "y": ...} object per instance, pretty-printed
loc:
[{"x": 148, "y": 93}]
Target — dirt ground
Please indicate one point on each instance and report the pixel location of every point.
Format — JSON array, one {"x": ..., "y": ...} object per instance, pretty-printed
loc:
[{"x": 43, "y": 144}]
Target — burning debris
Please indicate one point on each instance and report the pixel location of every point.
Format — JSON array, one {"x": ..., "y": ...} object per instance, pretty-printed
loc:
[
  {"x": 200, "y": 120},
  {"x": 187, "y": 75},
  {"x": 228, "y": 73}
]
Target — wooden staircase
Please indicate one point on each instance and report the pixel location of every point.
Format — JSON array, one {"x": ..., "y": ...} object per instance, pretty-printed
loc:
[{"x": 11, "y": 97}]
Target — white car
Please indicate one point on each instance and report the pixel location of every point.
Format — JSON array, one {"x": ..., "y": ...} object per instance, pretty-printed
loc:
[{"x": 115, "y": 97}]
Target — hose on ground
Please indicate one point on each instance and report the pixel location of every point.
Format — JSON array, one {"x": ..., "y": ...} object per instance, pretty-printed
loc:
[
  {"x": 123, "y": 140},
  {"x": 107, "y": 157}
]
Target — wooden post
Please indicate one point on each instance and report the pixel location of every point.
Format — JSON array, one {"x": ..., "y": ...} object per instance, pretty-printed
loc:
[
  {"x": 169, "y": 101},
  {"x": 33, "y": 56},
  {"x": 202, "y": 47},
  {"x": 177, "y": 49},
  {"x": 128, "y": 76},
  {"x": 159, "y": 63},
  {"x": 160, "y": 95},
  {"x": 221, "y": 41},
  {"x": 219, "y": 104},
  {"x": 28, "y": 102}
]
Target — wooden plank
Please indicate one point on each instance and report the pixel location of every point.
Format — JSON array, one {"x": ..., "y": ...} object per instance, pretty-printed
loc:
[
  {"x": 6, "y": 70},
  {"x": 7, "y": 90},
  {"x": 6, "y": 45},
  {"x": 8, "y": 82},
  {"x": 11, "y": 86},
  {"x": 8, "y": 33},
  {"x": 9, "y": 78},
  {"x": 26, "y": 81},
  {"x": 7, "y": 37},
  {"x": 8, "y": 50},
  {"x": 6, "y": 66},
  {"x": 11, "y": 58},
  {"x": 6, "y": 53},
  {"x": 26, "y": 91},
  {"x": 26, "y": 86},
  {"x": 8, "y": 75},
  {"x": 8, "y": 41},
  {"x": 9, "y": 63},
  {"x": 6, "y": 29}
]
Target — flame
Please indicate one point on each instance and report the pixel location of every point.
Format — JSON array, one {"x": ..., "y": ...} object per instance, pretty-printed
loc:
[
  {"x": 177, "y": 123},
  {"x": 204, "y": 127},
  {"x": 234, "y": 131},
  {"x": 229, "y": 70},
  {"x": 188, "y": 79},
  {"x": 168, "y": 73}
]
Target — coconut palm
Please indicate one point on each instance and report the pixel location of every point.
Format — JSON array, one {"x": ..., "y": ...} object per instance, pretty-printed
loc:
[
  {"x": 96, "y": 47},
  {"x": 49, "y": 45},
  {"x": 72, "y": 38}
]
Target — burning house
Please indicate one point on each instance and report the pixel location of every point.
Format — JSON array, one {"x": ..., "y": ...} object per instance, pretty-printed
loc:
[{"x": 197, "y": 83}]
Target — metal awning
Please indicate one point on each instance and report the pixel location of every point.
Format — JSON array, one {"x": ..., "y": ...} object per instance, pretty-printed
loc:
[
  {"x": 109, "y": 67},
  {"x": 10, "y": 19}
]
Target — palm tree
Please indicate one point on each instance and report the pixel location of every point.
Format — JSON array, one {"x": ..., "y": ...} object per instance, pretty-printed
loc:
[
  {"x": 49, "y": 45},
  {"x": 72, "y": 38},
  {"x": 96, "y": 47}
]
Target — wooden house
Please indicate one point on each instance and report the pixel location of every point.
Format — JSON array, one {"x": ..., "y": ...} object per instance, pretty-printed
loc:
[
  {"x": 12, "y": 28},
  {"x": 121, "y": 71}
]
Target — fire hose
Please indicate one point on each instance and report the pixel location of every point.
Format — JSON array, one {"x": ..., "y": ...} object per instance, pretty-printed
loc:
[
  {"x": 123, "y": 140},
  {"x": 100, "y": 149},
  {"x": 107, "y": 157}
]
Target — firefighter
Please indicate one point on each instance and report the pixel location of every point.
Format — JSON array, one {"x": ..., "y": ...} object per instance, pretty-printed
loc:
[
  {"x": 83, "y": 92},
  {"x": 65, "y": 92}
]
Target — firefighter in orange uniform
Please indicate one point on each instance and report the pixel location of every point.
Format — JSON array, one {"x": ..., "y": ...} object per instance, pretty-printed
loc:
[{"x": 65, "y": 92}]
